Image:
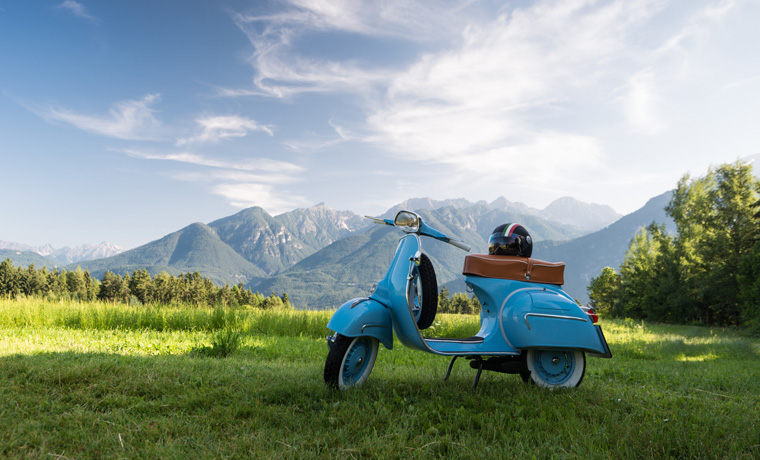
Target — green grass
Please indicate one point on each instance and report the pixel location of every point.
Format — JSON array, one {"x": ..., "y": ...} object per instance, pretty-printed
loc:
[{"x": 105, "y": 381}]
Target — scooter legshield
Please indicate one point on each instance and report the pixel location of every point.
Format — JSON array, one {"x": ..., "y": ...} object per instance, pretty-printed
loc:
[{"x": 364, "y": 317}]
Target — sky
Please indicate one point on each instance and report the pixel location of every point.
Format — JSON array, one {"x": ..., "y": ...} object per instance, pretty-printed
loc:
[{"x": 124, "y": 121}]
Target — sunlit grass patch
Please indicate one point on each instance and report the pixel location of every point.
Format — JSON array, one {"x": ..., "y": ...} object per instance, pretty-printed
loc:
[{"x": 122, "y": 387}]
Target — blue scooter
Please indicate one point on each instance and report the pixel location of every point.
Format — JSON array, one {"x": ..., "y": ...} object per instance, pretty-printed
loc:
[{"x": 529, "y": 325}]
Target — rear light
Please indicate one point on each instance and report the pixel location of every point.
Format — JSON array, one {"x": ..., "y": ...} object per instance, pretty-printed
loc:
[{"x": 592, "y": 315}]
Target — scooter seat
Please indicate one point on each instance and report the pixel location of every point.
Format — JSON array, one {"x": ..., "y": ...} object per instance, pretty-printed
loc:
[{"x": 514, "y": 268}]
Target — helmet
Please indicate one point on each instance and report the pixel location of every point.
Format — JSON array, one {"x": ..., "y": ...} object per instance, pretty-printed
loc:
[{"x": 510, "y": 240}]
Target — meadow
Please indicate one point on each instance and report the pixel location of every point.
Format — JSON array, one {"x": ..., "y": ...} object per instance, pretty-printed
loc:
[{"x": 98, "y": 380}]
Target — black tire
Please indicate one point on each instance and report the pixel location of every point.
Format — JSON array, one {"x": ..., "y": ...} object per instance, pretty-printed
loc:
[
  {"x": 429, "y": 290},
  {"x": 350, "y": 361}
]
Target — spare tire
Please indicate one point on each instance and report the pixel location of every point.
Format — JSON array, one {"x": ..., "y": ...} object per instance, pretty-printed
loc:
[{"x": 424, "y": 293}]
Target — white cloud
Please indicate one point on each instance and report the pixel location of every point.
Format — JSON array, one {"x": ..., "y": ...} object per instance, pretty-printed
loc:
[
  {"x": 253, "y": 182},
  {"x": 281, "y": 72},
  {"x": 488, "y": 95},
  {"x": 543, "y": 81},
  {"x": 216, "y": 128},
  {"x": 255, "y": 164},
  {"x": 641, "y": 103},
  {"x": 410, "y": 19},
  {"x": 77, "y": 9},
  {"x": 243, "y": 195},
  {"x": 132, "y": 120}
]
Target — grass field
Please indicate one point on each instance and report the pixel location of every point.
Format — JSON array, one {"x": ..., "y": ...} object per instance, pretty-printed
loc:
[{"x": 105, "y": 381}]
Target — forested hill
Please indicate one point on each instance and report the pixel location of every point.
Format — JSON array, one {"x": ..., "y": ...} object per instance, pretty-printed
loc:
[
  {"x": 196, "y": 247},
  {"x": 26, "y": 258}
]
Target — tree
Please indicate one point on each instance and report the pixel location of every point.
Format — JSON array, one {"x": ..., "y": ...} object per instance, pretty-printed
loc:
[
  {"x": 603, "y": 291},
  {"x": 165, "y": 288},
  {"x": 444, "y": 301},
  {"x": 706, "y": 272},
  {"x": 111, "y": 287},
  {"x": 57, "y": 282},
  {"x": 75, "y": 284},
  {"x": 195, "y": 289},
  {"x": 9, "y": 283},
  {"x": 141, "y": 285},
  {"x": 749, "y": 293},
  {"x": 715, "y": 218},
  {"x": 638, "y": 275}
]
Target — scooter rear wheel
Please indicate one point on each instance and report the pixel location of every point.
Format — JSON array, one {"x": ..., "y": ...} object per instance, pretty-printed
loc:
[
  {"x": 350, "y": 361},
  {"x": 555, "y": 368}
]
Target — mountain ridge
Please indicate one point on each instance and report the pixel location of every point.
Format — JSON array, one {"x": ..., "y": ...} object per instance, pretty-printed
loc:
[
  {"x": 66, "y": 254},
  {"x": 319, "y": 255}
]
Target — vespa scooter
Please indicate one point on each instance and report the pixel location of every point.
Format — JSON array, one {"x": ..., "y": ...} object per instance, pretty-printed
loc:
[{"x": 529, "y": 325}]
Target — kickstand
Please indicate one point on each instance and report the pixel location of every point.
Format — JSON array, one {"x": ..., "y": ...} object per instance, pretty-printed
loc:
[
  {"x": 451, "y": 364},
  {"x": 477, "y": 376}
]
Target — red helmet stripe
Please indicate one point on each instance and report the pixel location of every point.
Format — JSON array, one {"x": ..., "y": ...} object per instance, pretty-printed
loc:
[{"x": 508, "y": 231}]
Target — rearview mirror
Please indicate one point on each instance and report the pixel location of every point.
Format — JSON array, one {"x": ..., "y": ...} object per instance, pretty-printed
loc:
[{"x": 407, "y": 221}]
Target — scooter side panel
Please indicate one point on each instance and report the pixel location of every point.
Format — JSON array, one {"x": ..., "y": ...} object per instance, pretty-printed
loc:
[
  {"x": 546, "y": 319},
  {"x": 364, "y": 317}
]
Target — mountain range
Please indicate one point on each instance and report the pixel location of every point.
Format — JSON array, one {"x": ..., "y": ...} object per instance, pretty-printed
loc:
[
  {"x": 341, "y": 271},
  {"x": 321, "y": 256},
  {"x": 66, "y": 255}
]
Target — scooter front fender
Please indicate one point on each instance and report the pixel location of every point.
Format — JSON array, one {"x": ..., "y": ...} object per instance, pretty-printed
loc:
[{"x": 364, "y": 317}]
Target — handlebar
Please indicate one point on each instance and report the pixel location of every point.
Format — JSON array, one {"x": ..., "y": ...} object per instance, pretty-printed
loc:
[
  {"x": 380, "y": 221},
  {"x": 422, "y": 229},
  {"x": 460, "y": 244}
]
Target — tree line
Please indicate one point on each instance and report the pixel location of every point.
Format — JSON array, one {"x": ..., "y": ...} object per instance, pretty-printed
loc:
[
  {"x": 708, "y": 271},
  {"x": 458, "y": 303},
  {"x": 137, "y": 288}
]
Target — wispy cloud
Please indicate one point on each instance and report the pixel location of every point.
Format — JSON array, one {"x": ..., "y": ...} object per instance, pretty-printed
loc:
[
  {"x": 132, "y": 120},
  {"x": 281, "y": 72},
  {"x": 77, "y": 9},
  {"x": 256, "y": 164},
  {"x": 496, "y": 98},
  {"x": 498, "y": 89},
  {"x": 253, "y": 182},
  {"x": 215, "y": 128},
  {"x": 481, "y": 100},
  {"x": 247, "y": 194}
]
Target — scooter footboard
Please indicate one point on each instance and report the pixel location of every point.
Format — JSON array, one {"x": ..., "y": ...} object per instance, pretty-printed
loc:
[
  {"x": 364, "y": 317},
  {"x": 546, "y": 320}
]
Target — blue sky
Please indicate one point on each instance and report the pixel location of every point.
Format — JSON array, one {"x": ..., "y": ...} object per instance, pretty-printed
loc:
[{"x": 127, "y": 120}]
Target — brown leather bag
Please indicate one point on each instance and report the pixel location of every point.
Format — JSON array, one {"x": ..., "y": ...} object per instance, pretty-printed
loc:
[{"x": 514, "y": 268}]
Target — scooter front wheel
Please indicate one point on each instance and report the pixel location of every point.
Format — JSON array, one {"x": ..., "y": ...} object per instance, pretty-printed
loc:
[
  {"x": 555, "y": 368},
  {"x": 350, "y": 361}
]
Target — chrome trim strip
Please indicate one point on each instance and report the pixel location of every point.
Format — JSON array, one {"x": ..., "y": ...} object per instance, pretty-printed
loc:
[
  {"x": 444, "y": 340},
  {"x": 544, "y": 315},
  {"x": 501, "y": 311},
  {"x": 358, "y": 301},
  {"x": 409, "y": 277},
  {"x": 373, "y": 325}
]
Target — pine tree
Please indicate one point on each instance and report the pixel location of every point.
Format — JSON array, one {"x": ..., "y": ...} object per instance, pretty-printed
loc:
[
  {"x": 9, "y": 283},
  {"x": 444, "y": 301}
]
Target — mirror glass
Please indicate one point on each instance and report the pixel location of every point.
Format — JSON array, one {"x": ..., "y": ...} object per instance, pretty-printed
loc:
[{"x": 407, "y": 221}]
